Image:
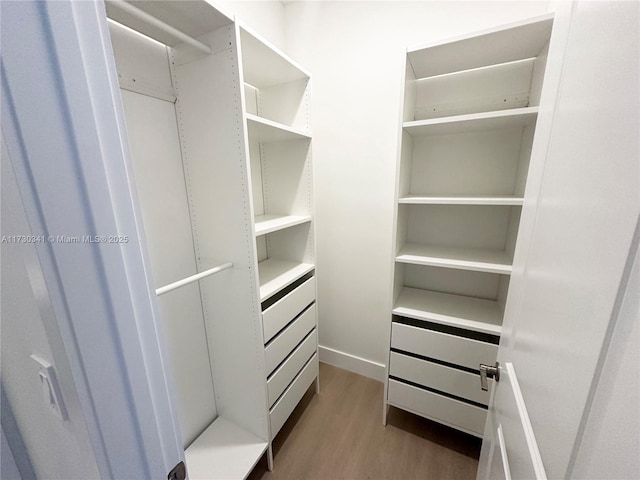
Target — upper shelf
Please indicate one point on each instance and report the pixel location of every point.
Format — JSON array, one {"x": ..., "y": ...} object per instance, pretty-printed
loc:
[
  {"x": 505, "y": 43},
  {"x": 275, "y": 274},
  {"x": 191, "y": 18},
  {"x": 264, "y": 130},
  {"x": 264, "y": 65},
  {"x": 517, "y": 117},
  {"x": 476, "y": 259},
  {"x": 272, "y": 223},
  {"x": 461, "y": 200},
  {"x": 470, "y": 313}
]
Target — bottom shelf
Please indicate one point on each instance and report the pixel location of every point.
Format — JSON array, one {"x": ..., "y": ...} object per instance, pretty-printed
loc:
[{"x": 223, "y": 451}]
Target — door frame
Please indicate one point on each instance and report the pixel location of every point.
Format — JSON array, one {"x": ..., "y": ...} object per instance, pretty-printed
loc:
[{"x": 76, "y": 178}]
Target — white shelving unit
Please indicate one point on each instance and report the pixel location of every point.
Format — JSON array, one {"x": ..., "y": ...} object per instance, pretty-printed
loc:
[
  {"x": 470, "y": 109},
  {"x": 218, "y": 129},
  {"x": 276, "y": 110}
]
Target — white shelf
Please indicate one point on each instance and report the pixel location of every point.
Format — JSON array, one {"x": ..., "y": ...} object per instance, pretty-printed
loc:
[
  {"x": 476, "y": 259},
  {"x": 461, "y": 200},
  {"x": 192, "y": 18},
  {"x": 506, "y": 43},
  {"x": 223, "y": 451},
  {"x": 272, "y": 223},
  {"x": 264, "y": 130},
  {"x": 470, "y": 313},
  {"x": 264, "y": 65},
  {"x": 516, "y": 117},
  {"x": 276, "y": 274}
]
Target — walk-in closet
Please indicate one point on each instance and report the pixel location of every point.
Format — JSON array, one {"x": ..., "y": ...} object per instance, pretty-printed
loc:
[{"x": 320, "y": 239}]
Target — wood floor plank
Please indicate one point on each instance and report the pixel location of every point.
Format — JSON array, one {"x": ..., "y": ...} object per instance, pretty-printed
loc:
[{"x": 339, "y": 435}]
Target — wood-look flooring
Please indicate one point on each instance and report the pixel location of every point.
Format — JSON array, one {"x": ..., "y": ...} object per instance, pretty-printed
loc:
[{"x": 339, "y": 435}]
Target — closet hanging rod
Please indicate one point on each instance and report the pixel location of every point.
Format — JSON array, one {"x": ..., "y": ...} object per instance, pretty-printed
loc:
[
  {"x": 150, "y": 19},
  {"x": 193, "y": 278}
]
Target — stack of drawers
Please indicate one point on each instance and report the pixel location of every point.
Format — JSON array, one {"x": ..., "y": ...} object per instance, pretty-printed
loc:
[
  {"x": 291, "y": 344},
  {"x": 434, "y": 372}
]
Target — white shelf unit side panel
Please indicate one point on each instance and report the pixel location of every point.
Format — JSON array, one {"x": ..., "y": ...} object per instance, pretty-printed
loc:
[
  {"x": 217, "y": 172},
  {"x": 470, "y": 313},
  {"x": 475, "y": 259},
  {"x": 272, "y": 223},
  {"x": 264, "y": 130},
  {"x": 191, "y": 18},
  {"x": 410, "y": 92},
  {"x": 264, "y": 65},
  {"x": 537, "y": 76},
  {"x": 276, "y": 274},
  {"x": 405, "y": 164},
  {"x": 524, "y": 160},
  {"x": 501, "y": 44},
  {"x": 473, "y": 122},
  {"x": 223, "y": 451}
]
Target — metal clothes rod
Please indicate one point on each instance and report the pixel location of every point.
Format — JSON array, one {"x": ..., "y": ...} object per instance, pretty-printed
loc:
[
  {"x": 150, "y": 19},
  {"x": 193, "y": 278}
]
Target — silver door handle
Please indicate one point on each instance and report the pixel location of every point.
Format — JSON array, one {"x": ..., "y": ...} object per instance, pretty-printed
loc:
[{"x": 488, "y": 371}]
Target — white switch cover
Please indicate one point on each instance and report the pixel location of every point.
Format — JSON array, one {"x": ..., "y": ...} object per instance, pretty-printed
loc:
[{"x": 50, "y": 387}]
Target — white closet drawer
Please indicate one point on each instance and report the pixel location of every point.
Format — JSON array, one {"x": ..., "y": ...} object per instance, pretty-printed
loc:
[
  {"x": 288, "y": 401},
  {"x": 446, "y": 379},
  {"x": 284, "y": 310},
  {"x": 283, "y": 376},
  {"x": 442, "y": 346},
  {"x": 282, "y": 345},
  {"x": 460, "y": 415}
]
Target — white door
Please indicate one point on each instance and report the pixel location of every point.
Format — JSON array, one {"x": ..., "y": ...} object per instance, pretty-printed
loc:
[
  {"x": 64, "y": 136},
  {"x": 579, "y": 225}
]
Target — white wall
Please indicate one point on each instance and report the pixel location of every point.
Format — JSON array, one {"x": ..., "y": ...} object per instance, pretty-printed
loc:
[
  {"x": 355, "y": 52},
  {"x": 264, "y": 17}
]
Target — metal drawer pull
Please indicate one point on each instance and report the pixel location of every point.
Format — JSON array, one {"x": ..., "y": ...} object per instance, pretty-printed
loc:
[{"x": 487, "y": 371}]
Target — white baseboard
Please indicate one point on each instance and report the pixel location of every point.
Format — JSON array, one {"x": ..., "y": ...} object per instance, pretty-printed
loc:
[{"x": 352, "y": 363}]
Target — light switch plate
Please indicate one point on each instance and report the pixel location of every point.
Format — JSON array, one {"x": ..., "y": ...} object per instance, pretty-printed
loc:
[{"x": 51, "y": 391}]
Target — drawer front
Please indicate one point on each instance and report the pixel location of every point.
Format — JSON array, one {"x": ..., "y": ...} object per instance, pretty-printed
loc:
[
  {"x": 283, "y": 376},
  {"x": 442, "y": 346},
  {"x": 288, "y": 401},
  {"x": 284, "y": 310},
  {"x": 446, "y": 379},
  {"x": 286, "y": 341},
  {"x": 462, "y": 416}
]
